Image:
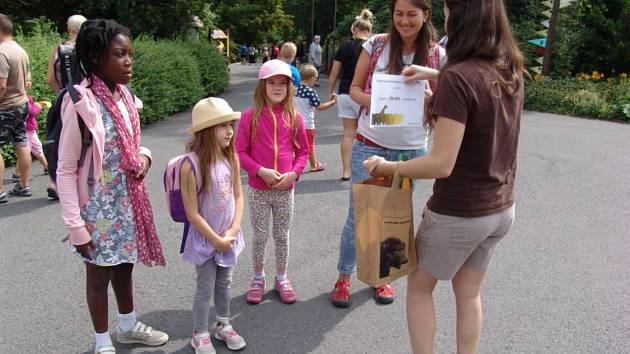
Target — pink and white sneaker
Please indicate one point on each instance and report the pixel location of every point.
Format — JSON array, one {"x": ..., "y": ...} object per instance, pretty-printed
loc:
[
  {"x": 201, "y": 343},
  {"x": 255, "y": 291},
  {"x": 228, "y": 335},
  {"x": 285, "y": 291}
]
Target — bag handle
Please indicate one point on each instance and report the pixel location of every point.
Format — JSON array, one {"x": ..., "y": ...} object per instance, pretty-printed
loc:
[{"x": 396, "y": 181}]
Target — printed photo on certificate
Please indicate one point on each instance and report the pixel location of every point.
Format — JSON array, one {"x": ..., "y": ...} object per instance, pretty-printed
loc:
[{"x": 396, "y": 103}]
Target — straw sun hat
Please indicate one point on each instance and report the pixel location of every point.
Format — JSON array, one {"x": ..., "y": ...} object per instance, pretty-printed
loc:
[{"x": 211, "y": 111}]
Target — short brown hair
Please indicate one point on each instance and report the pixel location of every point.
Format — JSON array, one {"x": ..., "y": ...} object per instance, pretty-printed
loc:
[
  {"x": 307, "y": 72},
  {"x": 6, "y": 26}
]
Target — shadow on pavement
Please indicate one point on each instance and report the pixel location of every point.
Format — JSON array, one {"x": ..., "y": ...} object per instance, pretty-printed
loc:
[
  {"x": 269, "y": 327},
  {"x": 320, "y": 186},
  {"x": 23, "y": 205}
]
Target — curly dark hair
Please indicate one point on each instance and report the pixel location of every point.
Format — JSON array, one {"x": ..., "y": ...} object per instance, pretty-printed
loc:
[{"x": 93, "y": 42}]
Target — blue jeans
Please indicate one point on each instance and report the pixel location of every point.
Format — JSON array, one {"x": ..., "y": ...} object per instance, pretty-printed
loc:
[{"x": 360, "y": 152}]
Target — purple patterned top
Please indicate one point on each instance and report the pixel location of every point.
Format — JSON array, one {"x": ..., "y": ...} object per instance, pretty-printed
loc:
[{"x": 217, "y": 207}]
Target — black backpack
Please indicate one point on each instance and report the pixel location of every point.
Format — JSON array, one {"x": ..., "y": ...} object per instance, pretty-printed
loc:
[
  {"x": 68, "y": 68},
  {"x": 53, "y": 132}
]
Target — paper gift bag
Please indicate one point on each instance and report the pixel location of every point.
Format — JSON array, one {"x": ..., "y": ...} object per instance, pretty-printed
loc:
[{"x": 383, "y": 221}]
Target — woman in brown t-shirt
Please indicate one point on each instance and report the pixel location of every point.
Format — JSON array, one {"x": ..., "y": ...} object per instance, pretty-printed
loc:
[{"x": 475, "y": 116}]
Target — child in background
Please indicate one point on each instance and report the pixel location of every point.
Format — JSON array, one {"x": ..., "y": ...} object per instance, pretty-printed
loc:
[
  {"x": 273, "y": 149},
  {"x": 110, "y": 222},
  {"x": 287, "y": 55},
  {"x": 265, "y": 55},
  {"x": 307, "y": 102},
  {"x": 34, "y": 108},
  {"x": 213, "y": 200}
]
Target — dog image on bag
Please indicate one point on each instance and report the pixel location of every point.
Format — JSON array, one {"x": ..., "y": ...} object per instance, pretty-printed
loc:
[{"x": 393, "y": 254}]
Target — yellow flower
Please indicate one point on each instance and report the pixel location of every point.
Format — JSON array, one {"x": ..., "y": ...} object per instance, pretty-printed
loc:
[{"x": 623, "y": 75}]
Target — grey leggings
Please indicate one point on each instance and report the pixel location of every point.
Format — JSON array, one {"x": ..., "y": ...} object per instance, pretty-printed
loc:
[{"x": 211, "y": 278}]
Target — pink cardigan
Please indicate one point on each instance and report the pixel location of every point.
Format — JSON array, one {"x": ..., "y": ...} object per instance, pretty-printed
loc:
[
  {"x": 72, "y": 183},
  {"x": 273, "y": 146}
]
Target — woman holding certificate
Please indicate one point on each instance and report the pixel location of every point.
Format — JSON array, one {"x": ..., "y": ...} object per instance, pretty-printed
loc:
[
  {"x": 411, "y": 40},
  {"x": 475, "y": 118}
]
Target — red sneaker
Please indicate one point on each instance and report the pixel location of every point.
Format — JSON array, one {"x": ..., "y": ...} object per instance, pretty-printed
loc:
[
  {"x": 340, "y": 296},
  {"x": 384, "y": 294}
]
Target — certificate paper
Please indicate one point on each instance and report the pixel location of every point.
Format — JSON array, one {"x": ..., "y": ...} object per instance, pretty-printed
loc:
[{"x": 395, "y": 103}]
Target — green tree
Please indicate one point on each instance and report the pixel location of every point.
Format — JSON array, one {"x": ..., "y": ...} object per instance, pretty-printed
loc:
[
  {"x": 162, "y": 19},
  {"x": 254, "y": 22},
  {"x": 605, "y": 42}
]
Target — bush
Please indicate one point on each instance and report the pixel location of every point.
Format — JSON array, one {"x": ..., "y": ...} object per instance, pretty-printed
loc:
[
  {"x": 212, "y": 67},
  {"x": 584, "y": 96},
  {"x": 169, "y": 75},
  {"x": 166, "y": 78}
]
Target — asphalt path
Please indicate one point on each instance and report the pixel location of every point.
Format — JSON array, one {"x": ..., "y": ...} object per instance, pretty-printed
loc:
[{"x": 559, "y": 283}]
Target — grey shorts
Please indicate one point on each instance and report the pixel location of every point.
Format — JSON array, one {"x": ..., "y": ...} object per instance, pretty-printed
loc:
[
  {"x": 445, "y": 243},
  {"x": 13, "y": 125},
  {"x": 347, "y": 107}
]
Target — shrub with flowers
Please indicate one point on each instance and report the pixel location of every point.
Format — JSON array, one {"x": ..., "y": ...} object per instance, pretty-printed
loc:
[{"x": 586, "y": 95}]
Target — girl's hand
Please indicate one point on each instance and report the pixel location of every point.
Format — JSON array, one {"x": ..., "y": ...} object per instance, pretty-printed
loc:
[
  {"x": 85, "y": 249},
  {"x": 271, "y": 177},
  {"x": 224, "y": 244},
  {"x": 285, "y": 181},
  {"x": 371, "y": 166},
  {"x": 427, "y": 93},
  {"x": 417, "y": 72},
  {"x": 146, "y": 164}
]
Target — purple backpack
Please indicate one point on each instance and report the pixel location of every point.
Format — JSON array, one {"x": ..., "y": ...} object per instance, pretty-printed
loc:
[{"x": 172, "y": 186}]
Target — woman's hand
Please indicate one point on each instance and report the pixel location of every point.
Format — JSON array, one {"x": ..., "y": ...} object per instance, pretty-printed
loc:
[
  {"x": 270, "y": 176},
  {"x": 285, "y": 181},
  {"x": 145, "y": 165},
  {"x": 86, "y": 249},
  {"x": 372, "y": 164},
  {"x": 417, "y": 72}
]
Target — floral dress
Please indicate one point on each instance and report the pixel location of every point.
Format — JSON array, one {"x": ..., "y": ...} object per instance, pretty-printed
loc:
[{"x": 108, "y": 213}]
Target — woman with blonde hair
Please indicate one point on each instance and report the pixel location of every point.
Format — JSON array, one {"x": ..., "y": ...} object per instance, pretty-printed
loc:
[
  {"x": 58, "y": 77},
  {"x": 55, "y": 76},
  {"x": 343, "y": 70}
]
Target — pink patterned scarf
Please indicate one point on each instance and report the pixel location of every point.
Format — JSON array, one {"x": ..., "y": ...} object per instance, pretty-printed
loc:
[{"x": 149, "y": 247}]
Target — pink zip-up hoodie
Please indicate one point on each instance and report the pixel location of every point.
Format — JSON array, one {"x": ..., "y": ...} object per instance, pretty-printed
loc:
[
  {"x": 72, "y": 184},
  {"x": 272, "y": 147}
]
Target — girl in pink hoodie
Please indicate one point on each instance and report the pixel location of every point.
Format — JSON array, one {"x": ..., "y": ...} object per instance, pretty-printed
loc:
[
  {"x": 272, "y": 148},
  {"x": 104, "y": 202}
]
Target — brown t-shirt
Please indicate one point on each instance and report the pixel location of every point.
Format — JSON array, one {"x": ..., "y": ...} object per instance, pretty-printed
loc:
[
  {"x": 482, "y": 181},
  {"x": 14, "y": 68}
]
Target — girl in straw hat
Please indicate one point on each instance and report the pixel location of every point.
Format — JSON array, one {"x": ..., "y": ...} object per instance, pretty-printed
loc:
[{"x": 213, "y": 200}]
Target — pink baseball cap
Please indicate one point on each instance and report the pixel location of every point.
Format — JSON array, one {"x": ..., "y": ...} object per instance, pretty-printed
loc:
[{"x": 274, "y": 67}]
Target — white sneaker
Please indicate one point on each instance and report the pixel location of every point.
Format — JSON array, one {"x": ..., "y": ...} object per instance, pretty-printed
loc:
[
  {"x": 142, "y": 334},
  {"x": 230, "y": 337},
  {"x": 202, "y": 344},
  {"x": 107, "y": 349}
]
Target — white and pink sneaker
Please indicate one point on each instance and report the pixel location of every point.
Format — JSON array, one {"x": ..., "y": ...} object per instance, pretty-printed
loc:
[
  {"x": 226, "y": 334},
  {"x": 201, "y": 343}
]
